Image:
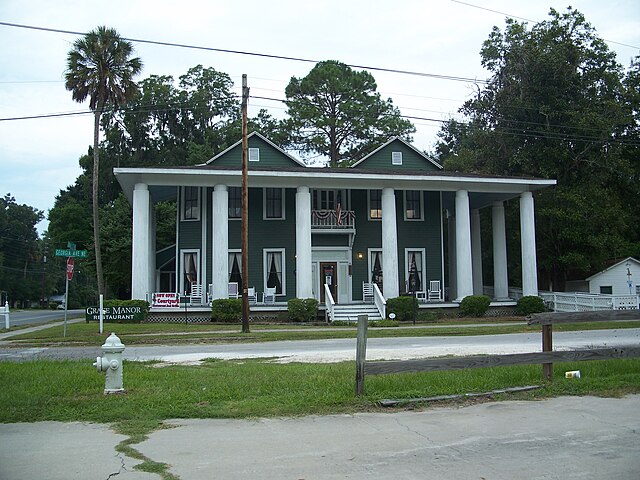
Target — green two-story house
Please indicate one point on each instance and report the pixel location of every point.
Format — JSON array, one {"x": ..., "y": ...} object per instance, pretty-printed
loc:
[{"x": 315, "y": 232}]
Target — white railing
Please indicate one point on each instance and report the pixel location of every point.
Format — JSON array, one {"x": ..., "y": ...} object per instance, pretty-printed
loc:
[
  {"x": 380, "y": 301},
  {"x": 330, "y": 219},
  {"x": 329, "y": 303},
  {"x": 585, "y": 302},
  {"x": 5, "y": 311}
]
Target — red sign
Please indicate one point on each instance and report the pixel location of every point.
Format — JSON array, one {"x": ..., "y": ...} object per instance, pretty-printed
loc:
[
  {"x": 69, "y": 268},
  {"x": 166, "y": 300}
]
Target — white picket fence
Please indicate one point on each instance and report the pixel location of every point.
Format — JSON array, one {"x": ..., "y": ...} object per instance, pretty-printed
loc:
[{"x": 585, "y": 302}]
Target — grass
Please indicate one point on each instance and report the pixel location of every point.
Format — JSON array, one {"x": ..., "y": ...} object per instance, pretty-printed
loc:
[
  {"x": 71, "y": 390},
  {"x": 83, "y": 334}
]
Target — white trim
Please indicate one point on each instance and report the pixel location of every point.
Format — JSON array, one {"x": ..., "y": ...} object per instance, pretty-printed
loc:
[
  {"x": 396, "y": 158},
  {"x": 369, "y": 205},
  {"x": 203, "y": 273},
  {"x": 230, "y": 265},
  {"x": 264, "y": 204},
  {"x": 183, "y": 197},
  {"x": 404, "y": 206},
  {"x": 370, "y": 262},
  {"x": 265, "y": 269},
  {"x": 180, "y": 266},
  {"x": 440, "y": 167},
  {"x": 628, "y": 259},
  {"x": 254, "y": 154},
  {"x": 423, "y": 271},
  {"x": 249, "y": 136}
]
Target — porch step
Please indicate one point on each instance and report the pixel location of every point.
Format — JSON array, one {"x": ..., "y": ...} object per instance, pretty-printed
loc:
[{"x": 349, "y": 313}]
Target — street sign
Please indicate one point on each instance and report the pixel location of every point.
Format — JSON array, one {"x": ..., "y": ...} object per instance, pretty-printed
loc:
[
  {"x": 70, "y": 266},
  {"x": 66, "y": 252}
]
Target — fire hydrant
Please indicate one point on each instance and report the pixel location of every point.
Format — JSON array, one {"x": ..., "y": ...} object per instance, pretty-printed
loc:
[{"x": 111, "y": 363}]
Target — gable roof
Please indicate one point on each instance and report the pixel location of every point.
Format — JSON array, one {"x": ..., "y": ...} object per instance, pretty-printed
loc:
[
  {"x": 615, "y": 265},
  {"x": 397, "y": 139},
  {"x": 261, "y": 137}
]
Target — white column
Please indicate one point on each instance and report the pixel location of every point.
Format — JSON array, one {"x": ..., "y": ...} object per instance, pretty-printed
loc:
[
  {"x": 528, "y": 244},
  {"x": 389, "y": 245},
  {"x": 140, "y": 251},
  {"x": 476, "y": 252},
  {"x": 500, "y": 273},
  {"x": 220, "y": 227},
  {"x": 464, "y": 266},
  {"x": 304, "y": 278}
]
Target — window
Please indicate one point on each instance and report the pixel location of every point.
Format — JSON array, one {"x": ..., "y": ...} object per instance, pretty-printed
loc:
[
  {"x": 375, "y": 267},
  {"x": 414, "y": 269},
  {"x": 375, "y": 204},
  {"x": 191, "y": 203},
  {"x": 235, "y": 267},
  {"x": 606, "y": 289},
  {"x": 235, "y": 202},
  {"x": 190, "y": 268},
  {"x": 274, "y": 270},
  {"x": 273, "y": 204},
  {"x": 412, "y": 205},
  {"x": 396, "y": 158},
  {"x": 254, "y": 154}
]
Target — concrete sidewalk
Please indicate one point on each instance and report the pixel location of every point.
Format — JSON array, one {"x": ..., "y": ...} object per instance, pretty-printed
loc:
[{"x": 563, "y": 438}]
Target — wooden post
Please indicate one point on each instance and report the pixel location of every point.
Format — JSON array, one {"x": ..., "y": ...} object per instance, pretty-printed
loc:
[
  {"x": 245, "y": 208},
  {"x": 361, "y": 353},
  {"x": 547, "y": 346}
]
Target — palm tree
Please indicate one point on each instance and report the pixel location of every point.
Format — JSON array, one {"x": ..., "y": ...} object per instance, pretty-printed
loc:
[{"x": 99, "y": 67}]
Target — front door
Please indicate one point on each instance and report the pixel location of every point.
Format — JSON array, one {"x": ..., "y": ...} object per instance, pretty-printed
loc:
[{"x": 329, "y": 276}]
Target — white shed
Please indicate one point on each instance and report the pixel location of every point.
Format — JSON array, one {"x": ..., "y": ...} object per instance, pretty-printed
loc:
[{"x": 622, "y": 278}]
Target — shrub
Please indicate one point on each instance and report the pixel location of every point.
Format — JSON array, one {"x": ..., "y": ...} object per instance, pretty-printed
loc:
[
  {"x": 403, "y": 307},
  {"x": 302, "y": 309},
  {"x": 227, "y": 310},
  {"x": 427, "y": 316},
  {"x": 53, "y": 305},
  {"x": 474, "y": 305},
  {"x": 530, "y": 304}
]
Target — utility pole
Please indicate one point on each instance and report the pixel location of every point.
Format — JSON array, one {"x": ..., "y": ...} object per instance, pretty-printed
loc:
[{"x": 245, "y": 207}]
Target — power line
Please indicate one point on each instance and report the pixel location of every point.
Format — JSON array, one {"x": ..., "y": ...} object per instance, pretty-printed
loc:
[
  {"x": 256, "y": 54},
  {"x": 529, "y": 20}
]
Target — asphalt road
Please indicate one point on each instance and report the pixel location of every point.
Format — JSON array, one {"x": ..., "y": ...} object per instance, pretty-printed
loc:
[
  {"x": 20, "y": 318},
  {"x": 343, "y": 349}
]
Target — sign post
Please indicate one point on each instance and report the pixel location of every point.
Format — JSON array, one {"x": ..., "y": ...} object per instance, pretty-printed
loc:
[{"x": 70, "y": 265}]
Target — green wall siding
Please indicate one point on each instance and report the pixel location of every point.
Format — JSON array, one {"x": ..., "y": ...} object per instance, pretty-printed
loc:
[
  {"x": 269, "y": 156},
  {"x": 277, "y": 234},
  {"x": 411, "y": 160}
]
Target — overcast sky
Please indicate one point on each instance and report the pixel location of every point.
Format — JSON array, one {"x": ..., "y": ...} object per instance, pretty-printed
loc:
[{"x": 39, "y": 157}]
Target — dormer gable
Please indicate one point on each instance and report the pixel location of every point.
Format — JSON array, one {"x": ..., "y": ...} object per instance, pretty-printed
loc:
[
  {"x": 262, "y": 152},
  {"x": 397, "y": 155}
]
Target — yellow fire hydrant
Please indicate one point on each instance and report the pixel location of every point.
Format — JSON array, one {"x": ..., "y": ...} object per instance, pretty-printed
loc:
[{"x": 111, "y": 363}]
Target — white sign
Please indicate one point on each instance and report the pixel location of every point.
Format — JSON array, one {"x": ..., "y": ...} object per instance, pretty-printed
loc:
[{"x": 166, "y": 300}]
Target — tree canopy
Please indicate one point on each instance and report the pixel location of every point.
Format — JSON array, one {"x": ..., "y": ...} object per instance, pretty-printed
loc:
[
  {"x": 336, "y": 111},
  {"x": 558, "y": 105}
]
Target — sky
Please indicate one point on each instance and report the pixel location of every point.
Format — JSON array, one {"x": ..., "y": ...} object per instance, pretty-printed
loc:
[{"x": 39, "y": 157}]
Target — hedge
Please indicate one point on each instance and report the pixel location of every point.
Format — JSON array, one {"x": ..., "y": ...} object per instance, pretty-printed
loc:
[
  {"x": 474, "y": 305},
  {"x": 227, "y": 310},
  {"x": 302, "y": 309}
]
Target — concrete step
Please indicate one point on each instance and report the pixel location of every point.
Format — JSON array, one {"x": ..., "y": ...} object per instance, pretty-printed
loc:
[{"x": 349, "y": 313}]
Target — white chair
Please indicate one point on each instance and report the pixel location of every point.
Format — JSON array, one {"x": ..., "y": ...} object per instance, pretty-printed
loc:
[
  {"x": 251, "y": 295},
  {"x": 434, "y": 291},
  {"x": 367, "y": 292},
  {"x": 421, "y": 296},
  {"x": 195, "y": 297},
  {"x": 210, "y": 293},
  {"x": 269, "y": 296},
  {"x": 233, "y": 290}
]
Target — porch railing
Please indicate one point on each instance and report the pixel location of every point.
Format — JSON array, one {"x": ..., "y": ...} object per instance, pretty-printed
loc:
[
  {"x": 380, "y": 301},
  {"x": 333, "y": 219},
  {"x": 584, "y": 302},
  {"x": 329, "y": 303}
]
